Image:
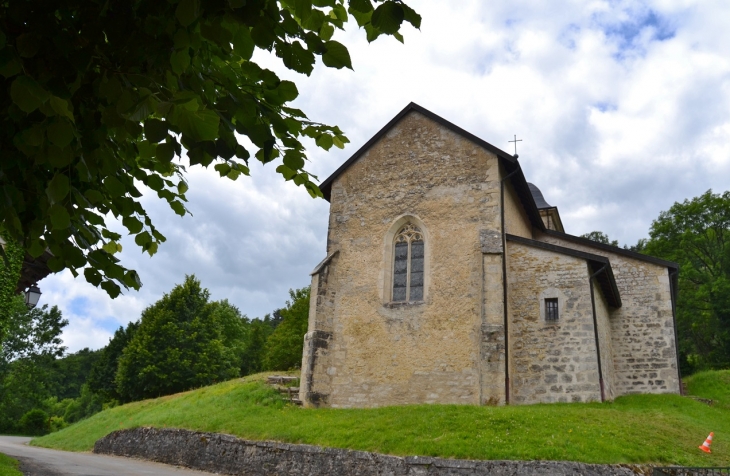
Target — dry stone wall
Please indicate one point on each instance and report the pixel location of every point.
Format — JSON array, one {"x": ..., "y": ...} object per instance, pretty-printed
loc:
[{"x": 224, "y": 454}]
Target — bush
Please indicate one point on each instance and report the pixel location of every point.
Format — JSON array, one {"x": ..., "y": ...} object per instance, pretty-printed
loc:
[
  {"x": 35, "y": 422},
  {"x": 57, "y": 423}
]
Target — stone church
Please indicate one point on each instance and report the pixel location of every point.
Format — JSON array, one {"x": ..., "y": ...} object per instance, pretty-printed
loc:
[{"x": 449, "y": 279}]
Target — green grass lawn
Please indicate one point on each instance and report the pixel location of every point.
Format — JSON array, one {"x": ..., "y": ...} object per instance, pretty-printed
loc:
[
  {"x": 658, "y": 429},
  {"x": 8, "y": 466}
]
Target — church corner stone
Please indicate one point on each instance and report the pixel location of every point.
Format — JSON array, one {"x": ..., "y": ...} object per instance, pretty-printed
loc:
[{"x": 420, "y": 318}]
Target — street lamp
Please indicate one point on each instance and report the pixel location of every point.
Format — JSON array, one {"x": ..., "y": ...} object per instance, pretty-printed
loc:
[{"x": 32, "y": 295}]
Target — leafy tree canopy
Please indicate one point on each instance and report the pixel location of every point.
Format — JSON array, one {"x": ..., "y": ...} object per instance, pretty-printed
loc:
[
  {"x": 31, "y": 343},
  {"x": 696, "y": 235},
  {"x": 283, "y": 350},
  {"x": 101, "y": 98},
  {"x": 180, "y": 344},
  {"x": 600, "y": 237}
]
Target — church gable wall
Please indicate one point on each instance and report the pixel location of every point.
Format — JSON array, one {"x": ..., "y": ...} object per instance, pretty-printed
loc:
[
  {"x": 550, "y": 361},
  {"x": 642, "y": 330},
  {"x": 385, "y": 353}
]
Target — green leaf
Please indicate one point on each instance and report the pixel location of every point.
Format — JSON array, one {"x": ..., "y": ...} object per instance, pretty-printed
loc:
[
  {"x": 411, "y": 16},
  {"x": 111, "y": 247},
  {"x": 338, "y": 143},
  {"x": 243, "y": 44},
  {"x": 58, "y": 188},
  {"x": 287, "y": 91},
  {"x": 178, "y": 207},
  {"x": 180, "y": 61},
  {"x": 339, "y": 12},
  {"x": 187, "y": 11},
  {"x": 111, "y": 289},
  {"x": 326, "y": 31},
  {"x": 60, "y": 133},
  {"x": 132, "y": 224},
  {"x": 222, "y": 169},
  {"x": 56, "y": 264},
  {"x": 363, "y": 6},
  {"x": 388, "y": 17},
  {"x": 143, "y": 238},
  {"x": 336, "y": 56},
  {"x": 155, "y": 130},
  {"x": 60, "y": 219},
  {"x": 114, "y": 186},
  {"x": 60, "y": 106},
  {"x": 181, "y": 39},
  {"x": 92, "y": 276},
  {"x": 28, "y": 45},
  {"x": 324, "y": 141},
  {"x": 9, "y": 64},
  {"x": 165, "y": 152},
  {"x": 197, "y": 125},
  {"x": 27, "y": 94},
  {"x": 286, "y": 172}
]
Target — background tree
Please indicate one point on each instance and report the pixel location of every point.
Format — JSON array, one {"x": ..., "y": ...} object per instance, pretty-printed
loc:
[
  {"x": 27, "y": 351},
  {"x": 600, "y": 237},
  {"x": 104, "y": 371},
  {"x": 99, "y": 98},
  {"x": 179, "y": 345},
  {"x": 696, "y": 235},
  {"x": 283, "y": 350}
]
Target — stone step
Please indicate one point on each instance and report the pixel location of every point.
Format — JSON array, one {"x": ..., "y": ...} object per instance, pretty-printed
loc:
[{"x": 274, "y": 379}]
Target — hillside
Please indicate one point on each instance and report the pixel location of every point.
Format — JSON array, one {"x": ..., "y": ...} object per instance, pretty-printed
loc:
[{"x": 659, "y": 429}]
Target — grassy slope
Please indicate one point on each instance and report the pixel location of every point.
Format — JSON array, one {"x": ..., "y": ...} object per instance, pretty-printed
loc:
[
  {"x": 660, "y": 429},
  {"x": 9, "y": 466}
]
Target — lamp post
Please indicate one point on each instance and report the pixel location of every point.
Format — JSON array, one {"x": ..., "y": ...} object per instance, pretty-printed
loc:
[{"x": 32, "y": 295}]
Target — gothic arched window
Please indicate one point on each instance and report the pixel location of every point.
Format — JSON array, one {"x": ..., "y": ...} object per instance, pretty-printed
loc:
[{"x": 408, "y": 265}]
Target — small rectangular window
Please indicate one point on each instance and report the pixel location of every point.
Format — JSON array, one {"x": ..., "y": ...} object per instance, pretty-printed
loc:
[{"x": 551, "y": 309}]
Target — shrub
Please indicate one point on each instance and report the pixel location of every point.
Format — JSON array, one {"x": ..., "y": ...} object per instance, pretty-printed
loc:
[{"x": 35, "y": 422}]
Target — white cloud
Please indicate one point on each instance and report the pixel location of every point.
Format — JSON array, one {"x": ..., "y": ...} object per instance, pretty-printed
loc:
[{"x": 622, "y": 107}]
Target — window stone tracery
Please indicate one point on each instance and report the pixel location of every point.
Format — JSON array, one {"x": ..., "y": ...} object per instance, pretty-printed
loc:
[{"x": 408, "y": 259}]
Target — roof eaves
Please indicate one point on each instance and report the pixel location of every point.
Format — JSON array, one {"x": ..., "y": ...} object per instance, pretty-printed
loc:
[{"x": 614, "y": 249}]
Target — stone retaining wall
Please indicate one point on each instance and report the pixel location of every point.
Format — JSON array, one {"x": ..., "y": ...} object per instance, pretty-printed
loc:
[{"x": 226, "y": 454}]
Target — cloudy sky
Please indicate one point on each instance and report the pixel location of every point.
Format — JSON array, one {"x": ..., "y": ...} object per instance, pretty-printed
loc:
[{"x": 623, "y": 108}]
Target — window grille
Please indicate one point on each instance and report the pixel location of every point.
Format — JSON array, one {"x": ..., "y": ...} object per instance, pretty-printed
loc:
[
  {"x": 551, "y": 309},
  {"x": 408, "y": 256}
]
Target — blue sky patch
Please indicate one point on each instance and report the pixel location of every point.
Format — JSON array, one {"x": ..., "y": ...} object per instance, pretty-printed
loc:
[{"x": 628, "y": 33}]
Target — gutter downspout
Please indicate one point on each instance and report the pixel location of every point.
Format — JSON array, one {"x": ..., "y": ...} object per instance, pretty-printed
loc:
[
  {"x": 672, "y": 293},
  {"x": 595, "y": 330},
  {"x": 504, "y": 286}
]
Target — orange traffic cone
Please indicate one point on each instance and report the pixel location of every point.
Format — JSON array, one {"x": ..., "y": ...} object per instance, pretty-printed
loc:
[{"x": 706, "y": 445}]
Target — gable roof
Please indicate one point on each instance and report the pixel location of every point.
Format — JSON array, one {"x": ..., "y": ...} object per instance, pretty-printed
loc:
[
  {"x": 509, "y": 161},
  {"x": 606, "y": 279}
]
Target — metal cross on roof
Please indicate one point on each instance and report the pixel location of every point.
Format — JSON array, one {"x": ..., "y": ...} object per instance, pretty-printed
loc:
[{"x": 515, "y": 141}]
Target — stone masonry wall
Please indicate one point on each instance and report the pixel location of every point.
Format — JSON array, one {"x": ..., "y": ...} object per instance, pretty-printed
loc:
[
  {"x": 642, "y": 330},
  {"x": 385, "y": 353},
  {"x": 315, "y": 385},
  {"x": 550, "y": 361},
  {"x": 224, "y": 454}
]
